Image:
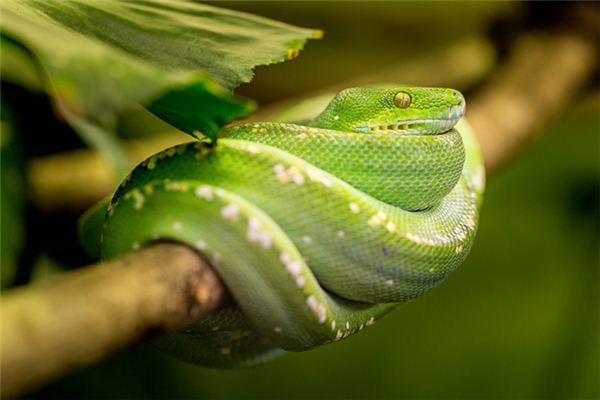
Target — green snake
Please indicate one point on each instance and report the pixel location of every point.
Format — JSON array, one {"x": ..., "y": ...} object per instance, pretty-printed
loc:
[{"x": 318, "y": 226}]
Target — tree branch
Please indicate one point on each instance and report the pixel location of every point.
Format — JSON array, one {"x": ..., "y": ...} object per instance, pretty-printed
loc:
[
  {"x": 544, "y": 74},
  {"x": 78, "y": 317}
]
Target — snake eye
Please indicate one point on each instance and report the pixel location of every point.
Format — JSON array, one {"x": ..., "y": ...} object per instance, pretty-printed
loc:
[{"x": 402, "y": 99}]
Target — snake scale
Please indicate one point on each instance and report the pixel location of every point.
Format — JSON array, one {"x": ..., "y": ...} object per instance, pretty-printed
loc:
[{"x": 318, "y": 226}]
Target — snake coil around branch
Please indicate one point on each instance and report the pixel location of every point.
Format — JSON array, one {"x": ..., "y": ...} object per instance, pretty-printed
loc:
[{"x": 318, "y": 225}]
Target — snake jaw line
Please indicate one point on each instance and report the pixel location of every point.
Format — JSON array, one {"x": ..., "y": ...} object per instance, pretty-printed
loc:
[{"x": 428, "y": 126}]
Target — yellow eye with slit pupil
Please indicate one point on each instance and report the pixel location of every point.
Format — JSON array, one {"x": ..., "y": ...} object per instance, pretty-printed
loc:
[{"x": 402, "y": 99}]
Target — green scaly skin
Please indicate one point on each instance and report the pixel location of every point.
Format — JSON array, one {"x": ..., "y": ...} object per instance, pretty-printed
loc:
[{"x": 318, "y": 228}]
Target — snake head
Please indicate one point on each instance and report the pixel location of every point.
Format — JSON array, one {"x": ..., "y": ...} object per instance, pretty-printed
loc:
[{"x": 404, "y": 110}]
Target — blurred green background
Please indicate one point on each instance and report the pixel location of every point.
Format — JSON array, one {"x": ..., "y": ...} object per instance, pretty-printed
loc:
[{"x": 518, "y": 320}]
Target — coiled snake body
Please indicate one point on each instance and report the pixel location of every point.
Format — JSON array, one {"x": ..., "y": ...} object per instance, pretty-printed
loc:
[{"x": 318, "y": 228}]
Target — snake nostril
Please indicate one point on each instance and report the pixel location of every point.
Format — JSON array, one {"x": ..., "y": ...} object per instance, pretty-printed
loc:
[{"x": 460, "y": 99}]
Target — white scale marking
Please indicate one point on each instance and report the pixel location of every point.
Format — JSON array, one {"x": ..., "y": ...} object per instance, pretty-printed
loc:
[
  {"x": 391, "y": 227},
  {"x": 230, "y": 211},
  {"x": 317, "y": 308},
  {"x": 291, "y": 174},
  {"x": 374, "y": 221},
  {"x": 204, "y": 192},
  {"x": 138, "y": 199},
  {"x": 176, "y": 186},
  {"x": 294, "y": 268},
  {"x": 255, "y": 233}
]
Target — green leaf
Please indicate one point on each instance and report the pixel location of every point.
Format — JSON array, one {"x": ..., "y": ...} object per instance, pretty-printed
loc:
[
  {"x": 180, "y": 59},
  {"x": 197, "y": 111},
  {"x": 18, "y": 65}
]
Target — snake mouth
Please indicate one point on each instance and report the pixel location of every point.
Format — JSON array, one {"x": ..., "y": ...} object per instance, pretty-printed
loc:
[
  {"x": 419, "y": 126},
  {"x": 416, "y": 126}
]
